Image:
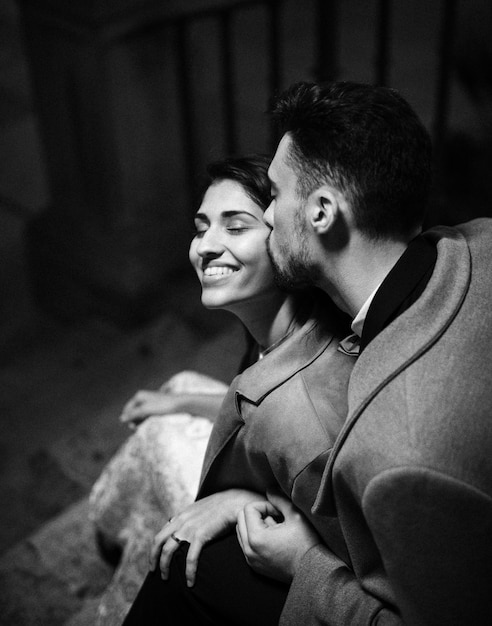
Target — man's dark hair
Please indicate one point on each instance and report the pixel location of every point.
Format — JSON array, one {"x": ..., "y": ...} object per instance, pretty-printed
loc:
[
  {"x": 368, "y": 143},
  {"x": 249, "y": 171}
]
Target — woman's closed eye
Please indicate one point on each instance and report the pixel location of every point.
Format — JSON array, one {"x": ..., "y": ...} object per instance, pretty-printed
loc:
[
  {"x": 236, "y": 230},
  {"x": 198, "y": 232},
  {"x": 232, "y": 230}
]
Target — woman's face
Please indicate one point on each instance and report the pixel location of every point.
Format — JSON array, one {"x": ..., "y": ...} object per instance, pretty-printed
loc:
[{"x": 229, "y": 250}]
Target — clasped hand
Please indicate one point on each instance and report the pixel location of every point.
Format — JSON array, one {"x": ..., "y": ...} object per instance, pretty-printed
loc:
[
  {"x": 198, "y": 524},
  {"x": 274, "y": 536}
]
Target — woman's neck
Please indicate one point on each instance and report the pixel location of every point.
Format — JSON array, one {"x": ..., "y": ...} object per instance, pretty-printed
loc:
[{"x": 269, "y": 320}]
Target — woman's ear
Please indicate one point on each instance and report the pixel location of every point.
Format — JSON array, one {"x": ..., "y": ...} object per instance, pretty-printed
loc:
[{"x": 323, "y": 209}]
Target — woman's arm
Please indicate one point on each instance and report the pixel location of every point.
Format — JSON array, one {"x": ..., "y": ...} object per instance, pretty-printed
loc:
[
  {"x": 201, "y": 522},
  {"x": 147, "y": 403}
]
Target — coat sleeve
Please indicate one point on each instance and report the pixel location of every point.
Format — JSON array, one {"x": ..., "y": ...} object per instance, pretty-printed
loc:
[
  {"x": 434, "y": 535},
  {"x": 325, "y": 591}
]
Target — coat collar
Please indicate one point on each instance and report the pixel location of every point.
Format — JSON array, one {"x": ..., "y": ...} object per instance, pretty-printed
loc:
[
  {"x": 403, "y": 285},
  {"x": 308, "y": 340},
  {"x": 300, "y": 348},
  {"x": 381, "y": 362}
]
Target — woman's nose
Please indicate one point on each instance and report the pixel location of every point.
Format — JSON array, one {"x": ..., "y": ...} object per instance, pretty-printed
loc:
[{"x": 210, "y": 244}]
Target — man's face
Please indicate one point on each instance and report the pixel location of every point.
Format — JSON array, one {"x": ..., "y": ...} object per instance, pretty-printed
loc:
[{"x": 288, "y": 243}]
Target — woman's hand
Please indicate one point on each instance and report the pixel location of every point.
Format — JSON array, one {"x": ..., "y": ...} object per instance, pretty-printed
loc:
[
  {"x": 198, "y": 524},
  {"x": 147, "y": 403}
]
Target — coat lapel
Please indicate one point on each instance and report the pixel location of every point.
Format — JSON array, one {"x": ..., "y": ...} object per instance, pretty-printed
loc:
[
  {"x": 227, "y": 424},
  {"x": 404, "y": 340},
  {"x": 299, "y": 349}
]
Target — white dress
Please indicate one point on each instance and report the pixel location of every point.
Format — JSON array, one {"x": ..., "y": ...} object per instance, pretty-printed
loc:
[{"x": 153, "y": 475}]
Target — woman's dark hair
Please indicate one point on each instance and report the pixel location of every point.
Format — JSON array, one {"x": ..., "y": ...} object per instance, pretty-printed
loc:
[
  {"x": 366, "y": 141},
  {"x": 249, "y": 171}
]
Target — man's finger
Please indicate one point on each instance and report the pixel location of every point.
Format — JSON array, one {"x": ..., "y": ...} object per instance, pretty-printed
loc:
[
  {"x": 280, "y": 502},
  {"x": 255, "y": 514},
  {"x": 242, "y": 532}
]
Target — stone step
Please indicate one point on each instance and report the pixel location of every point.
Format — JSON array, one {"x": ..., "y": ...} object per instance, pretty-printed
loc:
[{"x": 56, "y": 575}]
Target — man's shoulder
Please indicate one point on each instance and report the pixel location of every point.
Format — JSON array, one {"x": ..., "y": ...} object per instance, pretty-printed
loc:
[{"x": 476, "y": 231}]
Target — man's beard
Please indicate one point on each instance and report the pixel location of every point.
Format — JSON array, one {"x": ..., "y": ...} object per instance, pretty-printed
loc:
[{"x": 298, "y": 272}]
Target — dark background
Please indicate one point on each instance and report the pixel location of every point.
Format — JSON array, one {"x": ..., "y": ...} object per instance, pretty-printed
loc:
[{"x": 109, "y": 111}]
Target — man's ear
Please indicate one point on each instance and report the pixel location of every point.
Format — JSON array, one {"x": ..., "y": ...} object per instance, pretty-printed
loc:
[{"x": 323, "y": 209}]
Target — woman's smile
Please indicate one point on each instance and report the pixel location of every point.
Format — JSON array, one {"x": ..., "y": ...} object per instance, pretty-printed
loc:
[{"x": 215, "y": 272}]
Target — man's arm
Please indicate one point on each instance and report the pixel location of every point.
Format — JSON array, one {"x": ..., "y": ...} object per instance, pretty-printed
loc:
[
  {"x": 323, "y": 590},
  {"x": 434, "y": 535}
]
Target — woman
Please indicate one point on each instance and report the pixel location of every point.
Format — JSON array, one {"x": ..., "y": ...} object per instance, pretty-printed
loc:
[{"x": 277, "y": 422}]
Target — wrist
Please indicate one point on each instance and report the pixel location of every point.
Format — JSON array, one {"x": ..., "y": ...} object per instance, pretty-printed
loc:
[
  {"x": 299, "y": 557},
  {"x": 239, "y": 498}
]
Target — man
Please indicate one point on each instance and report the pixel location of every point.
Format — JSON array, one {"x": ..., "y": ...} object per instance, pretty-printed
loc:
[{"x": 410, "y": 475}]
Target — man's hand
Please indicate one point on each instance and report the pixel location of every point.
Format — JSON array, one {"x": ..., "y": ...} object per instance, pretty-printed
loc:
[{"x": 274, "y": 548}]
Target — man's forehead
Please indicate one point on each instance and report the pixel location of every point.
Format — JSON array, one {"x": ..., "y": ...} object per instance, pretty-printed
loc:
[{"x": 280, "y": 163}]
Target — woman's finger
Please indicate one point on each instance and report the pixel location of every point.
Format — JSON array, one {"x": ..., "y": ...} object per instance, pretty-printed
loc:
[
  {"x": 141, "y": 412},
  {"x": 159, "y": 540},
  {"x": 155, "y": 551},
  {"x": 192, "y": 561},
  {"x": 129, "y": 408},
  {"x": 168, "y": 549}
]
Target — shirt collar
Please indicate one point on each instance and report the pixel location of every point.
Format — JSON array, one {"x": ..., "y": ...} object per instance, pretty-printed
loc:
[{"x": 358, "y": 321}]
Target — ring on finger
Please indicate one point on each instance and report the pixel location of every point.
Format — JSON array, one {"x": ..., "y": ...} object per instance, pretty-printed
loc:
[{"x": 176, "y": 539}]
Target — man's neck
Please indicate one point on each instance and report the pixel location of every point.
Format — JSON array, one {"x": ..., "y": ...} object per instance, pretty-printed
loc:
[{"x": 359, "y": 269}]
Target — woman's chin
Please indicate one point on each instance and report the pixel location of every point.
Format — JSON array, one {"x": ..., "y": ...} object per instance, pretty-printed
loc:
[{"x": 212, "y": 303}]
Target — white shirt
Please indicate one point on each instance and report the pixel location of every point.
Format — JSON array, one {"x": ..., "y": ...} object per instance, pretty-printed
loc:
[
  {"x": 351, "y": 344},
  {"x": 358, "y": 321}
]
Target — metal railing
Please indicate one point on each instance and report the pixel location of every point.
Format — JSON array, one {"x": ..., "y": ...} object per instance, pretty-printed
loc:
[
  {"x": 182, "y": 17},
  {"x": 326, "y": 64},
  {"x": 327, "y": 67},
  {"x": 224, "y": 15}
]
